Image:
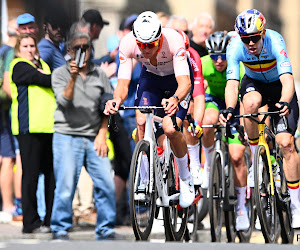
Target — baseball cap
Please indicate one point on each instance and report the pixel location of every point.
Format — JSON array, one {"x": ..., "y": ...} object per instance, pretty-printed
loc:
[
  {"x": 93, "y": 16},
  {"x": 25, "y": 18},
  {"x": 129, "y": 21}
]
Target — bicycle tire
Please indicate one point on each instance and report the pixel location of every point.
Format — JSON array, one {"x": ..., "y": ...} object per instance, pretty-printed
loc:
[
  {"x": 175, "y": 219},
  {"x": 202, "y": 205},
  {"x": 229, "y": 214},
  {"x": 142, "y": 213},
  {"x": 192, "y": 225},
  {"x": 215, "y": 198},
  {"x": 244, "y": 236},
  {"x": 265, "y": 202},
  {"x": 284, "y": 210}
]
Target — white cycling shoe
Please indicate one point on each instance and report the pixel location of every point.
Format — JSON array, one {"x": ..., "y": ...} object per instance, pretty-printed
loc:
[
  {"x": 205, "y": 177},
  {"x": 187, "y": 192},
  {"x": 197, "y": 176},
  {"x": 242, "y": 221},
  {"x": 295, "y": 218}
]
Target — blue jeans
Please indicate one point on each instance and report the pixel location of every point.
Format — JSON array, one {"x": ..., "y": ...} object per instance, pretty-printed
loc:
[{"x": 70, "y": 153}]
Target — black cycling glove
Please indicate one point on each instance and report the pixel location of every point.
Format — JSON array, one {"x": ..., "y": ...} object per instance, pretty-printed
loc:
[
  {"x": 225, "y": 112},
  {"x": 282, "y": 104}
]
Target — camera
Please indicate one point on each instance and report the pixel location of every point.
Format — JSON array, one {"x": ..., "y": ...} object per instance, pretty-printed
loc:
[{"x": 79, "y": 57}]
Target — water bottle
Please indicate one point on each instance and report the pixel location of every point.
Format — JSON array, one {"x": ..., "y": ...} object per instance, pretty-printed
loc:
[{"x": 276, "y": 170}]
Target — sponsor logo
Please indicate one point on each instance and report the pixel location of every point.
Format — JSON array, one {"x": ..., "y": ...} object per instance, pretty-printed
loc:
[
  {"x": 145, "y": 101},
  {"x": 196, "y": 82},
  {"x": 184, "y": 104},
  {"x": 122, "y": 58},
  {"x": 229, "y": 72},
  {"x": 283, "y": 53},
  {"x": 163, "y": 54},
  {"x": 281, "y": 127},
  {"x": 285, "y": 64},
  {"x": 180, "y": 54},
  {"x": 250, "y": 89}
]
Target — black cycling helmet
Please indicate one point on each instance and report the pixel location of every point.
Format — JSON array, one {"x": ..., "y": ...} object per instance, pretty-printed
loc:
[{"x": 217, "y": 42}]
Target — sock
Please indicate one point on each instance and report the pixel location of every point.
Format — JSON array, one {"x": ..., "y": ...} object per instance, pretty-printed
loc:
[
  {"x": 208, "y": 154},
  {"x": 182, "y": 164},
  {"x": 253, "y": 145},
  {"x": 294, "y": 193},
  {"x": 194, "y": 151},
  {"x": 144, "y": 172},
  {"x": 241, "y": 198}
]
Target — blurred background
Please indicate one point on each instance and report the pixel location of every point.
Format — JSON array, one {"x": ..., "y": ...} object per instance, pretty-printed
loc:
[{"x": 281, "y": 15}]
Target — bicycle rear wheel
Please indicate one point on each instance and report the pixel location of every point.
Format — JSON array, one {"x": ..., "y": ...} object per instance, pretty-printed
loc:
[
  {"x": 175, "y": 219},
  {"x": 265, "y": 201},
  {"x": 244, "y": 236},
  {"x": 142, "y": 200},
  {"x": 215, "y": 199},
  {"x": 284, "y": 211}
]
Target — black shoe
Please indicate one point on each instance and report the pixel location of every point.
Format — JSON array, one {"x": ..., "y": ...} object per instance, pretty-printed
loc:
[
  {"x": 113, "y": 236},
  {"x": 60, "y": 236}
]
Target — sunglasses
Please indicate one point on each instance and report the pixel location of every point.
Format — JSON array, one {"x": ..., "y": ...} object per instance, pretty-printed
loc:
[
  {"x": 148, "y": 45},
  {"x": 215, "y": 57},
  {"x": 254, "y": 38},
  {"x": 84, "y": 47}
]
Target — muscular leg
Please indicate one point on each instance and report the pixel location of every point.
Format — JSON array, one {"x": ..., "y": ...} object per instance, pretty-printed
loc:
[{"x": 236, "y": 153}]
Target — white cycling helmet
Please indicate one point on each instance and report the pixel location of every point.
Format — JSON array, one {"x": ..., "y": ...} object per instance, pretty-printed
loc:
[{"x": 147, "y": 27}]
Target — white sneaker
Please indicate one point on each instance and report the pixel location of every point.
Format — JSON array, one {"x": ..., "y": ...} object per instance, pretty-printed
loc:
[
  {"x": 141, "y": 195},
  {"x": 242, "y": 221},
  {"x": 295, "y": 218},
  {"x": 5, "y": 217},
  {"x": 187, "y": 192},
  {"x": 197, "y": 176},
  {"x": 205, "y": 177},
  {"x": 257, "y": 224},
  {"x": 250, "y": 177}
]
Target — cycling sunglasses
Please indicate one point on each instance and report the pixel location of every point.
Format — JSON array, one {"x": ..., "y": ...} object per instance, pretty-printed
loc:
[
  {"x": 84, "y": 47},
  {"x": 215, "y": 57},
  {"x": 254, "y": 38},
  {"x": 148, "y": 45}
]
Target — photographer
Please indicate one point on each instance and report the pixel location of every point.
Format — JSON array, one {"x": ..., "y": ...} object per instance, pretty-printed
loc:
[{"x": 79, "y": 139}]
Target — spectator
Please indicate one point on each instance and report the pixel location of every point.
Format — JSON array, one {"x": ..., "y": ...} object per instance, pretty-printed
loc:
[
  {"x": 33, "y": 106},
  {"x": 54, "y": 27},
  {"x": 163, "y": 17},
  {"x": 202, "y": 27},
  {"x": 178, "y": 23},
  {"x": 10, "y": 183},
  {"x": 80, "y": 140},
  {"x": 94, "y": 18},
  {"x": 26, "y": 24}
]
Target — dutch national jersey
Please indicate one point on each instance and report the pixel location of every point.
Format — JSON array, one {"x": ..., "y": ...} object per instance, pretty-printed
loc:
[
  {"x": 272, "y": 62},
  {"x": 171, "y": 57}
]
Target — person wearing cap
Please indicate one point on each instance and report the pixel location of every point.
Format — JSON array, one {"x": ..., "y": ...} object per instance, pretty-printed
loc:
[
  {"x": 54, "y": 27},
  {"x": 26, "y": 24},
  {"x": 94, "y": 18}
]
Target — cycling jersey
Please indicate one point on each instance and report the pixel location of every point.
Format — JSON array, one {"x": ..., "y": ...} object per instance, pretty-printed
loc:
[
  {"x": 195, "y": 61},
  {"x": 171, "y": 56},
  {"x": 267, "y": 67}
]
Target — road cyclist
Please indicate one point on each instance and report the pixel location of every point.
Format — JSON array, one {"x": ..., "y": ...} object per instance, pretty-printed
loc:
[
  {"x": 268, "y": 80},
  {"x": 165, "y": 67}
]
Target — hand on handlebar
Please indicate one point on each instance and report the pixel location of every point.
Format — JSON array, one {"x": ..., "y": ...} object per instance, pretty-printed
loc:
[
  {"x": 284, "y": 108},
  {"x": 112, "y": 106},
  {"x": 170, "y": 106},
  {"x": 197, "y": 128},
  {"x": 226, "y": 115}
]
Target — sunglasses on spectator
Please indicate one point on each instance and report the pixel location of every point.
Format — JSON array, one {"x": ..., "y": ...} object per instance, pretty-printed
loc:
[
  {"x": 84, "y": 47},
  {"x": 215, "y": 57},
  {"x": 148, "y": 45},
  {"x": 254, "y": 38}
]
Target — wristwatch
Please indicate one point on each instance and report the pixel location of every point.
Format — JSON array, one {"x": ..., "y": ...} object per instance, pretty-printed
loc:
[{"x": 176, "y": 97}]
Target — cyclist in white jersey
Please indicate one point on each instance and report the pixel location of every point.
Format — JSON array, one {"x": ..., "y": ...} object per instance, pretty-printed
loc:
[{"x": 165, "y": 68}]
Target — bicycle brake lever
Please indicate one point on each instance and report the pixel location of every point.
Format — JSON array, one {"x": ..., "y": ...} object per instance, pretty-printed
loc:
[
  {"x": 228, "y": 131},
  {"x": 191, "y": 121},
  {"x": 173, "y": 117},
  {"x": 111, "y": 121}
]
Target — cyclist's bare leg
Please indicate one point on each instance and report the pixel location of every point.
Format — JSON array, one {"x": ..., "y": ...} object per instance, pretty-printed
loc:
[
  {"x": 140, "y": 124},
  {"x": 211, "y": 116},
  {"x": 236, "y": 153}
]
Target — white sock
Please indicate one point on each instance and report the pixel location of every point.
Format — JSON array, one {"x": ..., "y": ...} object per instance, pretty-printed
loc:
[
  {"x": 241, "y": 198},
  {"x": 294, "y": 194},
  {"x": 208, "y": 154},
  {"x": 144, "y": 172},
  {"x": 194, "y": 151},
  {"x": 183, "y": 169},
  {"x": 252, "y": 148}
]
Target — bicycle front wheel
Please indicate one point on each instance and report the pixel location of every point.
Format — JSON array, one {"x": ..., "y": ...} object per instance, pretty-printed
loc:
[
  {"x": 142, "y": 200},
  {"x": 265, "y": 201},
  {"x": 175, "y": 219},
  {"x": 215, "y": 199}
]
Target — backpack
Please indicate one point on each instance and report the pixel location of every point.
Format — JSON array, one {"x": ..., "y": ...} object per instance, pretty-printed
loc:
[{"x": 5, "y": 101}]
